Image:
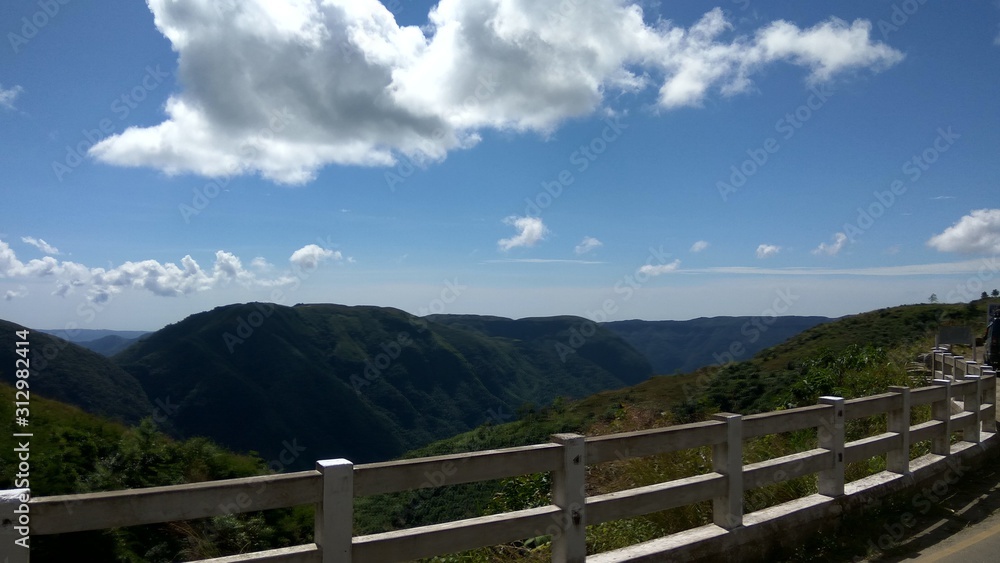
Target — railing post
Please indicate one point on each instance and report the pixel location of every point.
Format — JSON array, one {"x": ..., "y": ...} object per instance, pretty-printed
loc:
[
  {"x": 938, "y": 356},
  {"x": 568, "y": 493},
  {"x": 970, "y": 433},
  {"x": 989, "y": 396},
  {"x": 727, "y": 459},
  {"x": 941, "y": 410},
  {"x": 335, "y": 514},
  {"x": 14, "y": 526},
  {"x": 948, "y": 365},
  {"x": 831, "y": 437},
  {"x": 898, "y": 461},
  {"x": 958, "y": 371}
]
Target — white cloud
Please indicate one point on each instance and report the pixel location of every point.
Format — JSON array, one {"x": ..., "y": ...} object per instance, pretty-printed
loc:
[
  {"x": 659, "y": 269},
  {"x": 587, "y": 244},
  {"x": 162, "y": 279},
  {"x": 978, "y": 231},
  {"x": 261, "y": 264},
  {"x": 699, "y": 246},
  {"x": 530, "y": 230},
  {"x": 991, "y": 266},
  {"x": 343, "y": 83},
  {"x": 839, "y": 240},
  {"x": 308, "y": 257},
  {"x": 767, "y": 251},
  {"x": 12, "y": 294},
  {"x": 40, "y": 244},
  {"x": 7, "y": 96}
]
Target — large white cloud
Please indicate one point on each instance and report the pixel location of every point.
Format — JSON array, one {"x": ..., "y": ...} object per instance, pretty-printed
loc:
[
  {"x": 163, "y": 279},
  {"x": 530, "y": 230},
  {"x": 284, "y": 88},
  {"x": 976, "y": 232}
]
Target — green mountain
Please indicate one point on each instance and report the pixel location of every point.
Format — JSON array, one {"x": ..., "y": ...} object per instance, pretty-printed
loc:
[
  {"x": 365, "y": 383},
  {"x": 684, "y": 346},
  {"x": 74, "y": 375}
]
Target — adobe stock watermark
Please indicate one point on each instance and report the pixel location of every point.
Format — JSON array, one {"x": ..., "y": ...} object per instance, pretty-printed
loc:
[
  {"x": 921, "y": 502},
  {"x": 486, "y": 85},
  {"x": 900, "y": 16},
  {"x": 390, "y": 350},
  {"x": 248, "y": 150},
  {"x": 625, "y": 289},
  {"x": 786, "y": 127},
  {"x": 247, "y": 325},
  {"x": 32, "y": 25},
  {"x": 121, "y": 107},
  {"x": 753, "y": 329},
  {"x": 972, "y": 287},
  {"x": 581, "y": 159},
  {"x": 913, "y": 169}
]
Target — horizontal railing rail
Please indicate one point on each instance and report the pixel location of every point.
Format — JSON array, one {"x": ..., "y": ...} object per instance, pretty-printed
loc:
[{"x": 962, "y": 399}]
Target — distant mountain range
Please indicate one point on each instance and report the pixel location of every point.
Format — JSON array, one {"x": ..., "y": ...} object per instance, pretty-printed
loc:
[
  {"x": 684, "y": 346},
  {"x": 366, "y": 383},
  {"x": 104, "y": 342}
]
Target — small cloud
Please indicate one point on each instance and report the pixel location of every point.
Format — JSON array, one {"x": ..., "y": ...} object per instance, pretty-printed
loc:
[
  {"x": 651, "y": 270},
  {"x": 941, "y": 197},
  {"x": 40, "y": 245},
  {"x": 894, "y": 249},
  {"x": 699, "y": 246},
  {"x": 7, "y": 96},
  {"x": 767, "y": 251},
  {"x": 309, "y": 256},
  {"x": 587, "y": 244},
  {"x": 976, "y": 232},
  {"x": 13, "y": 294},
  {"x": 261, "y": 265},
  {"x": 839, "y": 240},
  {"x": 530, "y": 231}
]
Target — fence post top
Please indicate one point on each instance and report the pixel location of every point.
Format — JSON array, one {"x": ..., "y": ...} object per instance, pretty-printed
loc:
[
  {"x": 725, "y": 416},
  {"x": 946, "y": 382},
  {"x": 565, "y": 438},
  {"x": 327, "y": 463},
  {"x": 899, "y": 389},
  {"x": 830, "y": 400},
  {"x": 13, "y": 495}
]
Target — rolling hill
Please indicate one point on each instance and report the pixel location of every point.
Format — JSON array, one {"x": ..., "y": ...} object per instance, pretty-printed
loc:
[
  {"x": 72, "y": 374},
  {"x": 684, "y": 346},
  {"x": 365, "y": 383}
]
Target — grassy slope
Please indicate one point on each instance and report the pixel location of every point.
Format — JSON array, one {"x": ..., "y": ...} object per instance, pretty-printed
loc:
[{"x": 762, "y": 383}]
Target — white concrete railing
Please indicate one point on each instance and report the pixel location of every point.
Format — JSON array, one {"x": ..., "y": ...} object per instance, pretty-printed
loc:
[{"x": 333, "y": 485}]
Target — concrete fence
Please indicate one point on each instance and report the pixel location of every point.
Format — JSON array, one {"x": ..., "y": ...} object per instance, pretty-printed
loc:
[{"x": 956, "y": 434}]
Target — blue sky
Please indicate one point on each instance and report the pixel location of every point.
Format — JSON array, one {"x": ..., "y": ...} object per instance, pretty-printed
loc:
[{"x": 605, "y": 159}]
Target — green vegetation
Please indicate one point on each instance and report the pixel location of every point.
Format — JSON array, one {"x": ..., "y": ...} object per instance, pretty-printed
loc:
[
  {"x": 76, "y": 452},
  {"x": 852, "y": 357},
  {"x": 685, "y": 346},
  {"x": 76, "y": 376},
  {"x": 365, "y": 383}
]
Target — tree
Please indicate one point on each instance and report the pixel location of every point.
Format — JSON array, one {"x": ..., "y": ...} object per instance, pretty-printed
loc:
[
  {"x": 933, "y": 298},
  {"x": 984, "y": 295},
  {"x": 996, "y": 293}
]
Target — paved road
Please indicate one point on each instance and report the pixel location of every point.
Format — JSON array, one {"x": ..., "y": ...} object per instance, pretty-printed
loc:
[{"x": 969, "y": 529}]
